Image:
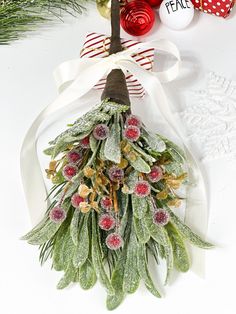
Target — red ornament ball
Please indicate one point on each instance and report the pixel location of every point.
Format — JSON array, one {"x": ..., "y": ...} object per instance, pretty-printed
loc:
[
  {"x": 114, "y": 241},
  {"x": 142, "y": 189},
  {"x": 132, "y": 133},
  {"x": 106, "y": 222},
  {"x": 69, "y": 171},
  {"x": 106, "y": 203},
  {"x": 101, "y": 132},
  {"x": 133, "y": 120},
  {"x": 84, "y": 143},
  {"x": 74, "y": 156},
  {"x": 137, "y": 18},
  {"x": 76, "y": 199},
  {"x": 116, "y": 174},
  {"x": 155, "y": 175},
  {"x": 57, "y": 214},
  {"x": 161, "y": 217},
  {"x": 154, "y": 3}
]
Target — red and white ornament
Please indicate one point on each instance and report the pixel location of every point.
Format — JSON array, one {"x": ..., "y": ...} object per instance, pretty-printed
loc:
[
  {"x": 137, "y": 17},
  {"x": 142, "y": 189},
  {"x": 114, "y": 241},
  {"x": 161, "y": 217},
  {"x": 57, "y": 214},
  {"x": 154, "y": 3},
  {"x": 106, "y": 222},
  {"x": 69, "y": 171}
]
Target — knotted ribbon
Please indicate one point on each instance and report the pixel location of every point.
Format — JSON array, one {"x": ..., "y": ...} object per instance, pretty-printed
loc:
[{"x": 74, "y": 79}]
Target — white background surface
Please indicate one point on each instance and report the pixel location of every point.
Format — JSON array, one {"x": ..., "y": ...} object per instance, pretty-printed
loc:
[{"x": 26, "y": 86}]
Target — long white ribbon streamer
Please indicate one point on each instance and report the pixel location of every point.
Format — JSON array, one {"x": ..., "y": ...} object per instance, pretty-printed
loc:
[{"x": 75, "y": 79}]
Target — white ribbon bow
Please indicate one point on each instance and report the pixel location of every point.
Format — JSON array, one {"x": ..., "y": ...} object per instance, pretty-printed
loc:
[{"x": 77, "y": 77}]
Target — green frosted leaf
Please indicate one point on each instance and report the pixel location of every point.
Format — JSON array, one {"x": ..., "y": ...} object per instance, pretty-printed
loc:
[
  {"x": 168, "y": 255},
  {"x": 140, "y": 206},
  {"x": 97, "y": 258},
  {"x": 113, "y": 107},
  {"x": 62, "y": 144},
  {"x": 153, "y": 141},
  {"x": 101, "y": 151},
  {"x": 68, "y": 277},
  {"x": 155, "y": 231},
  {"x": 145, "y": 156},
  {"x": 82, "y": 248},
  {"x": 131, "y": 276},
  {"x": 37, "y": 228},
  {"x": 181, "y": 259},
  {"x": 48, "y": 151},
  {"x": 173, "y": 146},
  {"x": 141, "y": 230},
  {"x": 74, "y": 226},
  {"x": 139, "y": 164},
  {"x": 160, "y": 235},
  {"x": 93, "y": 143},
  {"x": 44, "y": 234},
  {"x": 87, "y": 275},
  {"x": 124, "y": 206},
  {"x": 112, "y": 145},
  {"x": 113, "y": 301},
  {"x": 58, "y": 247},
  {"x": 144, "y": 272},
  {"x": 174, "y": 168},
  {"x": 67, "y": 250},
  {"x": 132, "y": 180},
  {"x": 187, "y": 233}
]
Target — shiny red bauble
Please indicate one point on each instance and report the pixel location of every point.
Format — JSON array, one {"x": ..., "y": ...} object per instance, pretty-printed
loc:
[
  {"x": 137, "y": 17},
  {"x": 154, "y": 3}
]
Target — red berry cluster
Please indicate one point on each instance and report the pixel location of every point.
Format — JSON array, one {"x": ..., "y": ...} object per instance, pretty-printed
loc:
[{"x": 132, "y": 128}]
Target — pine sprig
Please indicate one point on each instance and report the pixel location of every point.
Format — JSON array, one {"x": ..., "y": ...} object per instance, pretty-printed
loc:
[{"x": 18, "y": 17}]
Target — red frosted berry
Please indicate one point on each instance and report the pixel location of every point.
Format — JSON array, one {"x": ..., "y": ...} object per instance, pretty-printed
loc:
[
  {"x": 84, "y": 143},
  {"x": 106, "y": 222},
  {"x": 156, "y": 174},
  {"x": 57, "y": 214},
  {"x": 116, "y": 174},
  {"x": 161, "y": 217},
  {"x": 106, "y": 203},
  {"x": 76, "y": 199},
  {"x": 132, "y": 133},
  {"x": 101, "y": 132},
  {"x": 142, "y": 189},
  {"x": 74, "y": 156},
  {"x": 69, "y": 171},
  {"x": 133, "y": 120},
  {"x": 114, "y": 241}
]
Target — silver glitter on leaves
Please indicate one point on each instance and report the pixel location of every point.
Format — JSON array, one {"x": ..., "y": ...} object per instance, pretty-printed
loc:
[
  {"x": 87, "y": 276},
  {"x": 144, "y": 272},
  {"x": 131, "y": 275},
  {"x": 82, "y": 248},
  {"x": 187, "y": 233},
  {"x": 112, "y": 150},
  {"x": 140, "y": 206}
]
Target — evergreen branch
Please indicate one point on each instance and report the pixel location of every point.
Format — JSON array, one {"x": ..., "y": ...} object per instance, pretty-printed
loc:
[{"x": 17, "y": 17}]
